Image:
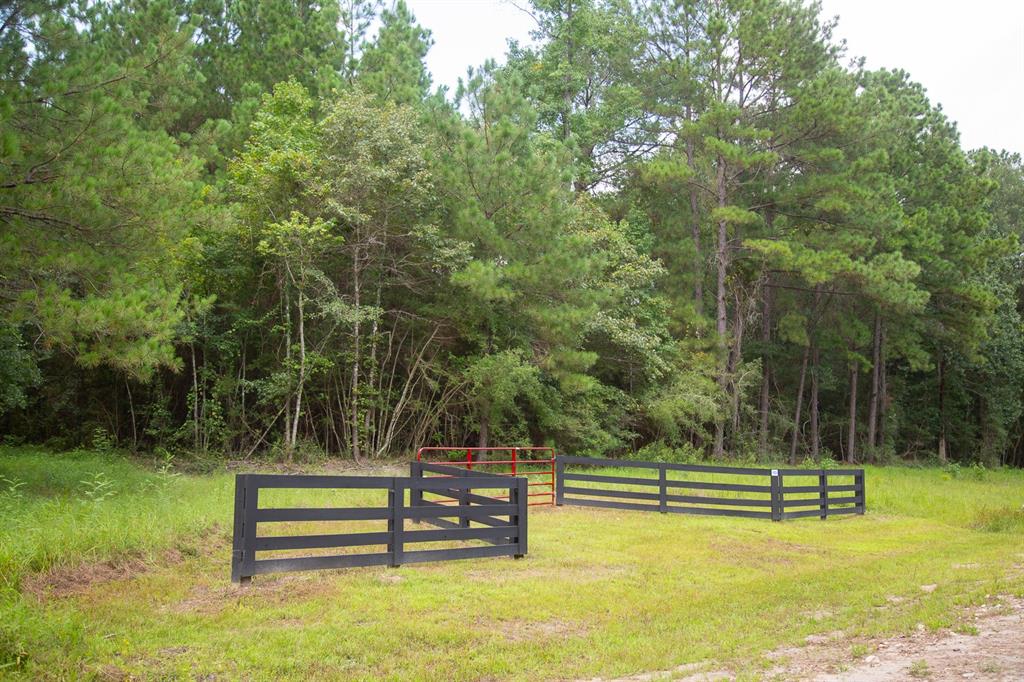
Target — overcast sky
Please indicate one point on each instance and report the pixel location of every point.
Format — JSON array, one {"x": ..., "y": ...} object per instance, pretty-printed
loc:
[{"x": 970, "y": 56}]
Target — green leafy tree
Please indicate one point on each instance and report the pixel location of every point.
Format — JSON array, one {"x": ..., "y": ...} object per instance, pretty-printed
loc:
[
  {"x": 18, "y": 370},
  {"x": 379, "y": 192},
  {"x": 277, "y": 180}
]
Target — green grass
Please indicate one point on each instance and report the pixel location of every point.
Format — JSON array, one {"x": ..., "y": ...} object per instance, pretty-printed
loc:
[
  {"x": 88, "y": 507},
  {"x": 602, "y": 592}
]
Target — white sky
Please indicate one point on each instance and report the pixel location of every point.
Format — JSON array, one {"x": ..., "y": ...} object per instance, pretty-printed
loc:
[
  {"x": 468, "y": 32},
  {"x": 970, "y": 56}
]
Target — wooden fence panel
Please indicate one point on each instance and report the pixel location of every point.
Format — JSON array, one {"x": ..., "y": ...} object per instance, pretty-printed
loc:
[
  {"x": 503, "y": 519},
  {"x": 773, "y": 494}
]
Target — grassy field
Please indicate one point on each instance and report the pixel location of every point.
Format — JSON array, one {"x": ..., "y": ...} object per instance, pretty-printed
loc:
[{"x": 110, "y": 569}]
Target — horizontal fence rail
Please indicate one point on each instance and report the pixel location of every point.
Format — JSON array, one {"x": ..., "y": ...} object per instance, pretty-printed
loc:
[
  {"x": 447, "y": 496},
  {"x": 775, "y": 494},
  {"x": 501, "y": 521}
]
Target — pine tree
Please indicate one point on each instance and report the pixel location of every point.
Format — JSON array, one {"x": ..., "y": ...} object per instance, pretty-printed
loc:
[
  {"x": 581, "y": 81},
  {"x": 95, "y": 193},
  {"x": 392, "y": 65},
  {"x": 521, "y": 308}
]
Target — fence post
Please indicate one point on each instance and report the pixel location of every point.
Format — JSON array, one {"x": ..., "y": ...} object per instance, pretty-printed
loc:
[
  {"x": 522, "y": 501},
  {"x": 238, "y": 536},
  {"x": 776, "y": 492},
  {"x": 662, "y": 489},
  {"x": 858, "y": 481},
  {"x": 391, "y": 523},
  {"x": 559, "y": 483},
  {"x": 396, "y": 520},
  {"x": 514, "y": 461},
  {"x": 415, "y": 493},
  {"x": 252, "y": 503},
  {"x": 823, "y": 494},
  {"x": 463, "y": 496}
]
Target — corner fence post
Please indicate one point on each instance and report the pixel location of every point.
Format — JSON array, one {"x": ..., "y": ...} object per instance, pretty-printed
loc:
[
  {"x": 522, "y": 501},
  {"x": 552, "y": 477},
  {"x": 858, "y": 481},
  {"x": 776, "y": 492},
  {"x": 252, "y": 504},
  {"x": 396, "y": 520},
  {"x": 415, "y": 493},
  {"x": 823, "y": 494},
  {"x": 237, "y": 539},
  {"x": 559, "y": 483},
  {"x": 663, "y": 488}
]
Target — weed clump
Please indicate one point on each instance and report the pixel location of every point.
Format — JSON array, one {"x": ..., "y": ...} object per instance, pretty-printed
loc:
[{"x": 1002, "y": 520}]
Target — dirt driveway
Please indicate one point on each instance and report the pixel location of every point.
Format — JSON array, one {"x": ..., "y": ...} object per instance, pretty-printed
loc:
[{"x": 988, "y": 646}]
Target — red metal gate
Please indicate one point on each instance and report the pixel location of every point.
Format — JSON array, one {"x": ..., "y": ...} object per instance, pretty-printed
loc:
[{"x": 537, "y": 464}]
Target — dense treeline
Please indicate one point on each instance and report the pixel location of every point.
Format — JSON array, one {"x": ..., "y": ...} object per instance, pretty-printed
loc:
[{"x": 676, "y": 227}]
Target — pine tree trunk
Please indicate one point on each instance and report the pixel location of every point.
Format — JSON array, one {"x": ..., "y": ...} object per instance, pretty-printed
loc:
[
  {"x": 735, "y": 357},
  {"x": 567, "y": 87},
  {"x": 883, "y": 398},
  {"x": 195, "y": 398},
  {"x": 288, "y": 362},
  {"x": 698, "y": 256},
  {"x": 876, "y": 355},
  {"x": 370, "y": 416},
  {"x": 302, "y": 369},
  {"x": 799, "y": 405},
  {"x": 131, "y": 412},
  {"x": 766, "y": 373},
  {"x": 943, "y": 456},
  {"x": 851, "y": 436},
  {"x": 815, "y": 416},
  {"x": 812, "y": 333},
  {"x": 721, "y": 316}
]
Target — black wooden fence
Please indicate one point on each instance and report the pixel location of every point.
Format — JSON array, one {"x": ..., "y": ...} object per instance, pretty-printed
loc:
[
  {"x": 503, "y": 519},
  {"x": 462, "y": 496},
  {"x": 775, "y": 494}
]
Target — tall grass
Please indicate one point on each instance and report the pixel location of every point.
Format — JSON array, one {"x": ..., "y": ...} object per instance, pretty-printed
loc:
[
  {"x": 61, "y": 511},
  {"x": 969, "y": 498},
  {"x": 82, "y": 507}
]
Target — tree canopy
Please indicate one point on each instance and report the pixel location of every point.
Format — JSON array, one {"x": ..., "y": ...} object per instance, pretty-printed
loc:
[{"x": 665, "y": 228}]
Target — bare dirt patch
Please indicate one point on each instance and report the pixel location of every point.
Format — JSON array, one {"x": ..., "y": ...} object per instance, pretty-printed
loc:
[
  {"x": 995, "y": 652},
  {"x": 59, "y": 583},
  {"x": 761, "y": 553},
  {"x": 204, "y": 599},
  {"x": 531, "y": 631},
  {"x": 210, "y": 599},
  {"x": 70, "y": 581},
  {"x": 687, "y": 672},
  {"x": 988, "y": 646}
]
